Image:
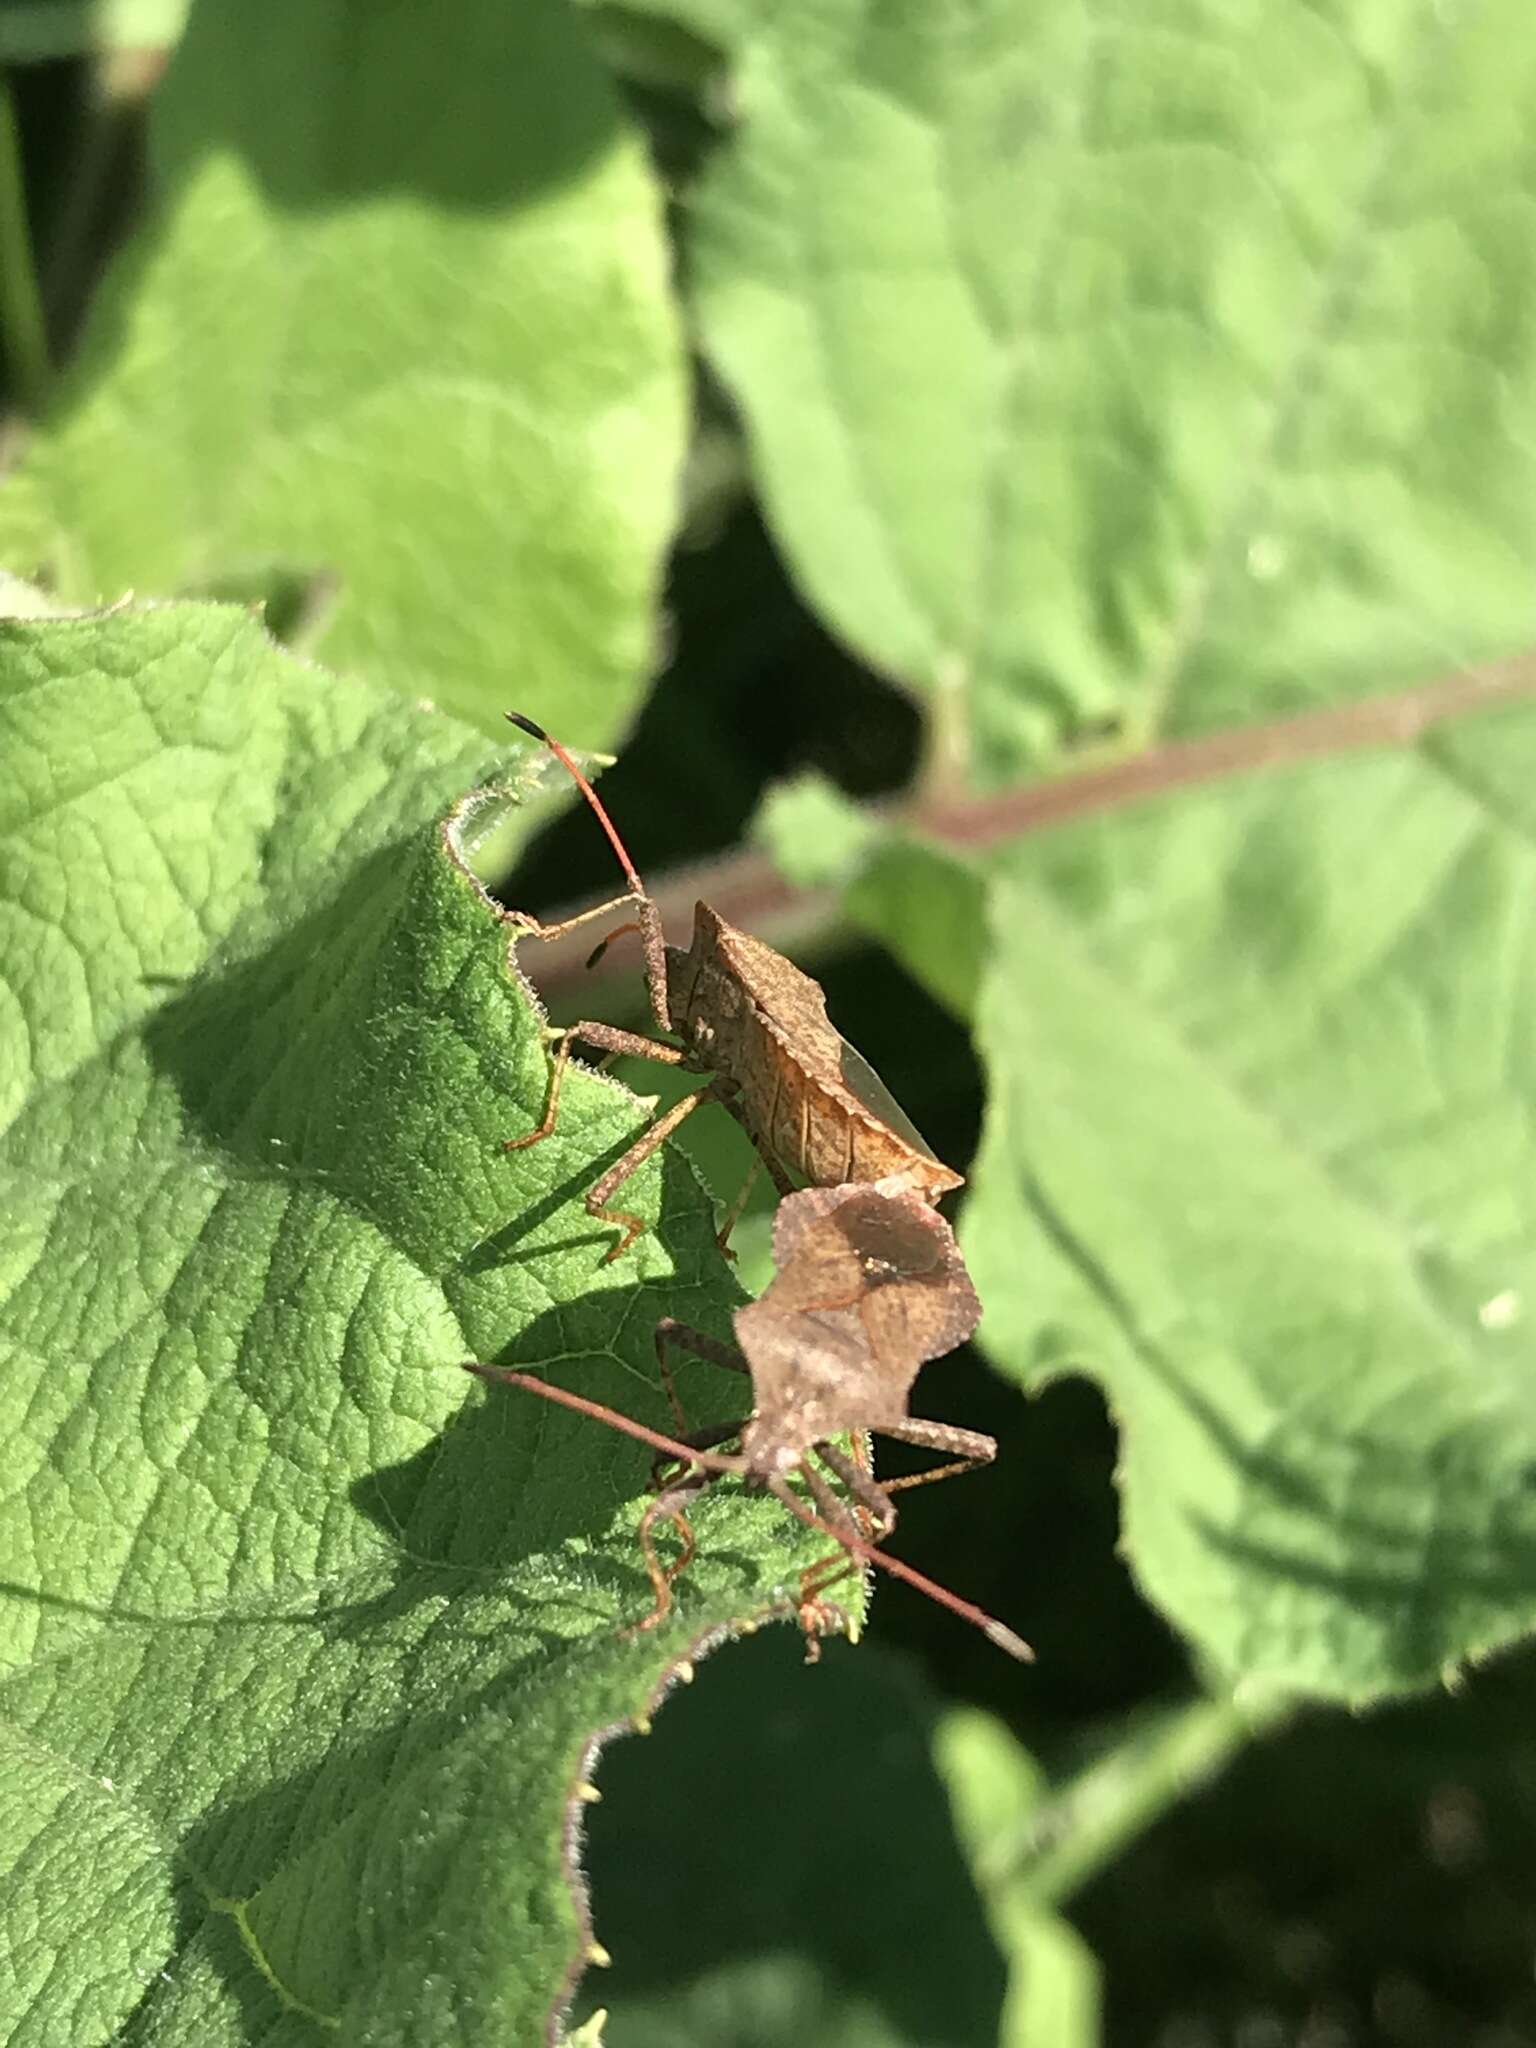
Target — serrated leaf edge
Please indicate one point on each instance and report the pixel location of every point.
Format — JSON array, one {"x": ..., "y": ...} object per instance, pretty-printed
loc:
[{"x": 582, "y": 1790}]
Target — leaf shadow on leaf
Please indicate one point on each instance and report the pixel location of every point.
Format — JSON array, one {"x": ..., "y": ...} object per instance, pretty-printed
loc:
[
  {"x": 1457, "y": 1555},
  {"x": 324, "y": 117},
  {"x": 300, "y": 1060},
  {"x": 289, "y": 1057},
  {"x": 363, "y": 87},
  {"x": 1420, "y": 1579},
  {"x": 540, "y": 1476},
  {"x": 472, "y": 1672},
  {"x": 1410, "y": 1580},
  {"x": 499, "y": 1249}
]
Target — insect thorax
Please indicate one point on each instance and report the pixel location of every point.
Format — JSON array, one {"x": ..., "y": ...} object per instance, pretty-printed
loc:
[{"x": 704, "y": 997}]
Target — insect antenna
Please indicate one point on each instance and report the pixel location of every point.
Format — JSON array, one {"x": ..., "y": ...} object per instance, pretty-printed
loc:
[
  {"x": 599, "y": 1412},
  {"x": 567, "y": 761},
  {"x": 618, "y": 932},
  {"x": 869, "y": 1553},
  {"x": 648, "y": 923}
]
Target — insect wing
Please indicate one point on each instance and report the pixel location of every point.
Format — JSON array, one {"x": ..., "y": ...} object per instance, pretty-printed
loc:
[{"x": 866, "y": 1086}]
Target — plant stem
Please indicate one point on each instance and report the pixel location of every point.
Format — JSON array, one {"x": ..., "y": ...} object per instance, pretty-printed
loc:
[
  {"x": 944, "y": 776},
  {"x": 23, "y": 335},
  {"x": 747, "y": 890},
  {"x": 1091, "y": 1820}
]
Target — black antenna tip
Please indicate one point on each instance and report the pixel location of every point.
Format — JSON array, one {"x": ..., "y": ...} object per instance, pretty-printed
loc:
[{"x": 535, "y": 731}]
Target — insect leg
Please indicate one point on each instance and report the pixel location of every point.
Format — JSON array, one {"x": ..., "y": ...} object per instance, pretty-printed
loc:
[
  {"x": 526, "y": 922},
  {"x": 818, "y": 1616},
  {"x": 867, "y": 1491},
  {"x": 971, "y": 1450},
  {"x": 611, "y": 1040},
  {"x": 648, "y": 1142},
  {"x": 696, "y": 1440},
  {"x": 870, "y": 1553},
  {"x": 733, "y": 1214},
  {"x": 683, "y": 1337},
  {"x": 864, "y": 1458},
  {"x": 648, "y": 916},
  {"x": 668, "y": 1505},
  {"x": 875, "y": 1496}
]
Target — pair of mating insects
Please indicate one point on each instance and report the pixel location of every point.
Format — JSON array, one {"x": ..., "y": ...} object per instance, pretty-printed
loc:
[{"x": 869, "y": 1282}]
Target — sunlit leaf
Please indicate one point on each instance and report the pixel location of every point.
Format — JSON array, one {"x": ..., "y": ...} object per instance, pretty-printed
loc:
[
  {"x": 305, "y": 1634},
  {"x": 398, "y": 327}
]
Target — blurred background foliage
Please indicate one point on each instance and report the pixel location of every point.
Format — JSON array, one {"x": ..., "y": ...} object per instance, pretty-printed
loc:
[{"x": 1305, "y": 233}]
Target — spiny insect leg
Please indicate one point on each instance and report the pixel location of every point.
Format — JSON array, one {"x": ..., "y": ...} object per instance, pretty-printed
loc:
[
  {"x": 669, "y": 1506},
  {"x": 971, "y": 1450},
  {"x": 647, "y": 1143},
  {"x": 610, "y": 1040},
  {"x": 534, "y": 928},
  {"x": 683, "y": 1337}
]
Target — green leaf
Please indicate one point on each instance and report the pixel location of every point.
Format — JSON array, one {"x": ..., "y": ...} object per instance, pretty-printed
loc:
[
  {"x": 813, "y": 833},
  {"x": 1258, "y": 1155},
  {"x": 923, "y": 900},
  {"x": 399, "y": 326},
  {"x": 1144, "y": 372},
  {"x": 996, "y": 1787},
  {"x": 928, "y": 905},
  {"x": 770, "y": 1796},
  {"x": 305, "y": 1635}
]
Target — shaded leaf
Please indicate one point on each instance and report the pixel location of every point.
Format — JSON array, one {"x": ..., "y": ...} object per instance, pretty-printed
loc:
[
  {"x": 996, "y": 1788},
  {"x": 1370, "y": 1851},
  {"x": 805, "y": 1874}
]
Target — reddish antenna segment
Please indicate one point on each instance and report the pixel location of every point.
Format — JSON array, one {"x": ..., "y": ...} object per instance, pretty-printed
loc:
[{"x": 567, "y": 761}]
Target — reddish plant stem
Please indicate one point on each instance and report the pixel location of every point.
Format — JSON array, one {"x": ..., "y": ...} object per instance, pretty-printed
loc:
[{"x": 748, "y": 891}]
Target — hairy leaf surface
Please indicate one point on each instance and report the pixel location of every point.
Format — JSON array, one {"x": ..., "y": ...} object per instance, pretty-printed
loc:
[{"x": 304, "y": 1633}]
